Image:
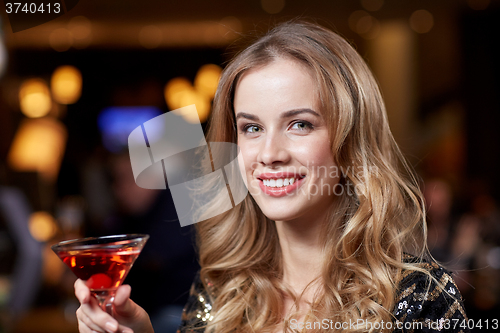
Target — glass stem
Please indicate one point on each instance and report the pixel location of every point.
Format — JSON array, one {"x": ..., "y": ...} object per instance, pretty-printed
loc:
[{"x": 105, "y": 299}]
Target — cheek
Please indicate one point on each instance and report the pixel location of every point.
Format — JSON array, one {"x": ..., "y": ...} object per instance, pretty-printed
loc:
[
  {"x": 314, "y": 152},
  {"x": 242, "y": 166},
  {"x": 247, "y": 157},
  {"x": 321, "y": 162}
]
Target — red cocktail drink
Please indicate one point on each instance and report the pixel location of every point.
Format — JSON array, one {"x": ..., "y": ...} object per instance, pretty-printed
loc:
[{"x": 102, "y": 262}]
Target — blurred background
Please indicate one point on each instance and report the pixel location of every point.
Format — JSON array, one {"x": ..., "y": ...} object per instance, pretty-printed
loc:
[{"x": 72, "y": 89}]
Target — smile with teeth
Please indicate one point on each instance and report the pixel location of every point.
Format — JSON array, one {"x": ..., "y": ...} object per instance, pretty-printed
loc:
[{"x": 280, "y": 182}]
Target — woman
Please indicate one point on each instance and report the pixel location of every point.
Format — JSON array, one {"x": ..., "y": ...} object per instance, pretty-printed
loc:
[{"x": 322, "y": 241}]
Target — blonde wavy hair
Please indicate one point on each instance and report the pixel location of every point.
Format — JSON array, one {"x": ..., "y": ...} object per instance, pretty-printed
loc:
[{"x": 367, "y": 234}]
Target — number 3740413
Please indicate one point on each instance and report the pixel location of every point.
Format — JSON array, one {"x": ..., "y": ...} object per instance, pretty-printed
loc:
[
  {"x": 25, "y": 7},
  {"x": 487, "y": 324}
]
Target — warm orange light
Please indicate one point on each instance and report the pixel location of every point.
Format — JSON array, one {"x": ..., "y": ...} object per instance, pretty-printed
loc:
[
  {"x": 81, "y": 31},
  {"x": 421, "y": 21},
  {"x": 173, "y": 91},
  {"x": 66, "y": 84},
  {"x": 53, "y": 268},
  {"x": 207, "y": 79},
  {"x": 42, "y": 226},
  {"x": 38, "y": 146},
  {"x": 272, "y": 6},
  {"x": 34, "y": 98},
  {"x": 364, "y": 24},
  {"x": 189, "y": 97},
  {"x": 61, "y": 39},
  {"x": 179, "y": 92},
  {"x": 374, "y": 27},
  {"x": 80, "y": 27}
]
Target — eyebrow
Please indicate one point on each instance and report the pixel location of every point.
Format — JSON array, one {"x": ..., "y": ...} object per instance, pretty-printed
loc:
[{"x": 286, "y": 114}]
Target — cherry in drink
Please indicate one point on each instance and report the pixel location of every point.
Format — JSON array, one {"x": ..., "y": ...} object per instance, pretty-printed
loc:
[{"x": 102, "y": 262}]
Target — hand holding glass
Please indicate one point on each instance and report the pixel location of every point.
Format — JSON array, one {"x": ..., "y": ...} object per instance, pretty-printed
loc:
[{"x": 103, "y": 262}]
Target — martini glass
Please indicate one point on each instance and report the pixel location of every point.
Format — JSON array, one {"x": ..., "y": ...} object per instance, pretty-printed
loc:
[{"x": 102, "y": 262}]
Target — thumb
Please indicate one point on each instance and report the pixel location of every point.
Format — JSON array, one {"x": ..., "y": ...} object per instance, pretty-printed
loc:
[
  {"x": 123, "y": 305},
  {"x": 82, "y": 292}
]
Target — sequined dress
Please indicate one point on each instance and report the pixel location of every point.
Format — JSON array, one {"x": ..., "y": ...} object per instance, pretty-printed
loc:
[{"x": 420, "y": 306}]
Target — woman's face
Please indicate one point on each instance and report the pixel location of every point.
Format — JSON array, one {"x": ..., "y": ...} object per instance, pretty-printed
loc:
[{"x": 285, "y": 149}]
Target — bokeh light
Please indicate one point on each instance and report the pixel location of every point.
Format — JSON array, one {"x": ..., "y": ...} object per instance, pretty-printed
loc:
[
  {"x": 173, "y": 91},
  {"x": 66, "y": 84},
  {"x": 34, "y": 98},
  {"x": 38, "y": 145},
  {"x": 61, "y": 39},
  {"x": 421, "y": 21},
  {"x": 272, "y": 6},
  {"x": 203, "y": 105},
  {"x": 179, "y": 92},
  {"x": 364, "y": 24},
  {"x": 355, "y": 17},
  {"x": 42, "y": 226},
  {"x": 81, "y": 31},
  {"x": 207, "y": 79},
  {"x": 117, "y": 122},
  {"x": 53, "y": 268},
  {"x": 374, "y": 30}
]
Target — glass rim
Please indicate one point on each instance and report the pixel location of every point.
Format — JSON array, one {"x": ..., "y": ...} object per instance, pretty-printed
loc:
[{"x": 107, "y": 241}]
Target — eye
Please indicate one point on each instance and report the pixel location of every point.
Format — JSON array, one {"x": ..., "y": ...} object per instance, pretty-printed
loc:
[
  {"x": 250, "y": 128},
  {"x": 302, "y": 126}
]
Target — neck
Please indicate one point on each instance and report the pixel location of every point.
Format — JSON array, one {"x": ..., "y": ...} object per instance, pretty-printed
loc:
[{"x": 301, "y": 251}]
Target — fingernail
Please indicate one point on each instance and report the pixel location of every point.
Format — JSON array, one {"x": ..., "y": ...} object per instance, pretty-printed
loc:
[{"x": 111, "y": 327}]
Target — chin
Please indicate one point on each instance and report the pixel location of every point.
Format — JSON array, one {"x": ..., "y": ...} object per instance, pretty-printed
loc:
[{"x": 279, "y": 215}]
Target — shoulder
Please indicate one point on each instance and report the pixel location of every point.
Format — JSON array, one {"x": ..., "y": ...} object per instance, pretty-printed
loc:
[
  {"x": 428, "y": 302},
  {"x": 198, "y": 308}
]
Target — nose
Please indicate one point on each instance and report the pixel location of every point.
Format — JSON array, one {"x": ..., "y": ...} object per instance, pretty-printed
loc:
[{"x": 274, "y": 150}]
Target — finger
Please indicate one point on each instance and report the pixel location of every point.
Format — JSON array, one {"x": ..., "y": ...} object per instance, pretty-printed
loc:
[
  {"x": 86, "y": 325},
  {"x": 82, "y": 292},
  {"x": 82, "y": 328},
  {"x": 123, "y": 305},
  {"x": 122, "y": 295},
  {"x": 123, "y": 329},
  {"x": 95, "y": 318}
]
